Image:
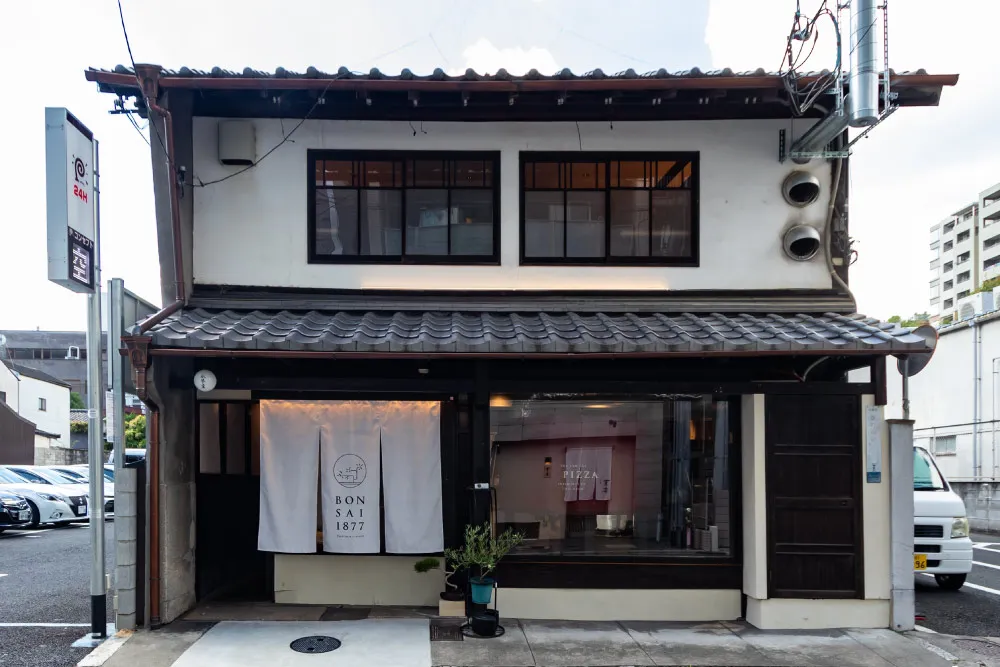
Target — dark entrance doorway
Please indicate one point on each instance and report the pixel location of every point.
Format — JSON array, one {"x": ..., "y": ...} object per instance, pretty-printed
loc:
[
  {"x": 228, "y": 565},
  {"x": 813, "y": 480}
]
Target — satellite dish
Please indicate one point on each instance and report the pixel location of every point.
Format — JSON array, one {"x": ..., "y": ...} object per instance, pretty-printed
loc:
[{"x": 911, "y": 364}]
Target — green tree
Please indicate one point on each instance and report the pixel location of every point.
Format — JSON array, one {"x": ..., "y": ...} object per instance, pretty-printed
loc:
[
  {"x": 912, "y": 322},
  {"x": 135, "y": 432},
  {"x": 76, "y": 401}
]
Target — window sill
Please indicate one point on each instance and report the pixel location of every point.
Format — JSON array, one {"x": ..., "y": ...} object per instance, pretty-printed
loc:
[
  {"x": 616, "y": 262},
  {"x": 405, "y": 261}
]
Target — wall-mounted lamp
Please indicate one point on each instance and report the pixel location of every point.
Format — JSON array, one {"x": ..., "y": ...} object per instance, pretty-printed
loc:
[
  {"x": 500, "y": 401},
  {"x": 548, "y": 467}
]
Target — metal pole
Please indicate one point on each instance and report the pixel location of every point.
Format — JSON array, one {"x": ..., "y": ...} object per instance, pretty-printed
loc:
[
  {"x": 98, "y": 595},
  {"x": 975, "y": 400},
  {"x": 906, "y": 388},
  {"x": 116, "y": 323}
]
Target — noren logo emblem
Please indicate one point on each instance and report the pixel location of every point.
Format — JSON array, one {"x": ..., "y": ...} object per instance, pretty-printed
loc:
[{"x": 350, "y": 470}]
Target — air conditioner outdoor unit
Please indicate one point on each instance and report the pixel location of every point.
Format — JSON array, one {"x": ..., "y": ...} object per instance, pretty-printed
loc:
[{"x": 974, "y": 305}]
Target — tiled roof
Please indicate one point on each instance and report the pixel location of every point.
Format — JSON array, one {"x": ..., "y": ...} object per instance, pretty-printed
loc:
[
  {"x": 35, "y": 373},
  {"x": 439, "y": 74},
  {"x": 532, "y": 333}
]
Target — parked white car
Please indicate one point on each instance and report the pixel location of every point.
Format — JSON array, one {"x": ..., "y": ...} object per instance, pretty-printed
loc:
[
  {"x": 47, "y": 503},
  {"x": 941, "y": 544},
  {"x": 79, "y": 494},
  {"x": 78, "y": 474}
]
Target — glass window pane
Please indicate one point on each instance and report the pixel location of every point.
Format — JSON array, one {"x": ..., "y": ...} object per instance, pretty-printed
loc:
[
  {"x": 236, "y": 438},
  {"x": 543, "y": 224},
  {"x": 381, "y": 222},
  {"x": 547, "y": 175},
  {"x": 662, "y": 169},
  {"x": 632, "y": 175},
  {"x": 336, "y": 222},
  {"x": 629, "y": 478},
  {"x": 585, "y": 222},
  {"x": 584, "y": 175},
  {"x": 672, "y": 223},
  {"x": 630, "y": 223},
  {"x": 472, "y": 173},
  {"x": 472, "y": 222},
  {"x": 339, "y": 173},
  {"x": 209, "y": 450},
  {"x": 427, "y": 222},
  {"x": 425, "y": 173},
  {"x": 379, "y": 174}
]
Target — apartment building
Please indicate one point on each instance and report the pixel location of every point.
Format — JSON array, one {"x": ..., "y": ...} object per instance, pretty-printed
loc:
[
  {"x": 989, "y": 215},
  {"x": 955, "y": 260}
]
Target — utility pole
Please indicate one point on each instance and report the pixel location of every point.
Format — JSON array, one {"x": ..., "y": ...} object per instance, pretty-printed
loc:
[{"x": 95, "y": 448}]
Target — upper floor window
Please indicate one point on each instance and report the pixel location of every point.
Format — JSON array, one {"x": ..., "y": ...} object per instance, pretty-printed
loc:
[
  {"x": 948, "y": 285},
  {"x": 948, "y": 267},
  {"x": 962, "y": 277},
  {"x": 992, "y": 241},
  {"x": 43, "y": 405},
  {"x": 962, "y": 295},
  {"x": 948, "y": 227},
  {"x": 392, "y": 207},
  {"x": 948, "y": 303},
  {"x": 962, "y": 236},
  {"x": 947, "y": 246},
  {"x": 963, "y": 258},
  {"x": 609, "y": 208},
  {"x": 73, "y": 352}
]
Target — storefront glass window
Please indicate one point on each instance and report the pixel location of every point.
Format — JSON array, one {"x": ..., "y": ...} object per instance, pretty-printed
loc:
[{"x": 602, "y": 476}]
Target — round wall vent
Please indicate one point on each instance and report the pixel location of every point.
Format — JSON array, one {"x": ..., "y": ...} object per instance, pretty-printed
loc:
[
  {"x": 800, "y": 188},
  {"x": 801, "y": 242}
]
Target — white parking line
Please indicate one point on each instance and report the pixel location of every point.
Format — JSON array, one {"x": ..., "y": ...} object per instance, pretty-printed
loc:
[
  {"x": 3, "y": 575},
  {"x": 972, "y": 586},
  {"x": 995, "y": 567},
  {"x": 986, "y": 547},
  {"x": 44, "y": 625},
  {"x": 937, "y": 650}
]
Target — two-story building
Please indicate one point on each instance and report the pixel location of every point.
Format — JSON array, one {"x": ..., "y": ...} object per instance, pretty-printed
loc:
[
  {"x": 35, "y": 398},
  {"x": 598, "y": 309}
]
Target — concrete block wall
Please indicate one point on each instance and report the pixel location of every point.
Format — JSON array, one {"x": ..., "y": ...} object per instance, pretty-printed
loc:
[
  {"x": 982, "y": 504},
  {"x": 127, "y": 579},
  {"x": 57, "y": 456}
]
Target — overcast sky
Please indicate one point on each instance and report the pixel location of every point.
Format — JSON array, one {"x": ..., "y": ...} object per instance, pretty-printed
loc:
[{"x": 914, "y": 170}]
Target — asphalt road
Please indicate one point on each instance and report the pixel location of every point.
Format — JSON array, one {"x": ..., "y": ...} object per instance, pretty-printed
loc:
[
  {"x": 45, "y": 579},
  {"x": 973, "y": 610}
]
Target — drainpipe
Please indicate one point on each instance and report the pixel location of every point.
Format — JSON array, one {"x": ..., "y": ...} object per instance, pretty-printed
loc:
[
  {"x": 976, "y": 377},
  {"x": 148, "y": 78},
  {"x": 993, "y": 419}
]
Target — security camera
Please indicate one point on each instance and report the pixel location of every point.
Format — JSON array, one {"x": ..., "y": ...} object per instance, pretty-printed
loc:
[
  {"x": 801, "y": 242},
  {"x": 800, "y": 189}
]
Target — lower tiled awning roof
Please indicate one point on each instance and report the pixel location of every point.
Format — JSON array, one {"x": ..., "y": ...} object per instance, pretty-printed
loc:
[{"x": 531, "y": 333}]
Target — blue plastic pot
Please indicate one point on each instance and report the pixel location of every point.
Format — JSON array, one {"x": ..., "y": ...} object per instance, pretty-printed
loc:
[{"x": 482, "y": 589}]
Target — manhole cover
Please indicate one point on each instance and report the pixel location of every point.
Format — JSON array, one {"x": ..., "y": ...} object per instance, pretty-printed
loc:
[
  {"x": 979, "y": 646},
  {"x": 315, "y": 644},
  {"x": 446, "y": 633}
]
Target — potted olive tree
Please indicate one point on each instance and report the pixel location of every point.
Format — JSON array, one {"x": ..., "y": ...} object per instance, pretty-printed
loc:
[
  {"x": 452, "y": 602},
  {"x": 480, "y": 555}
]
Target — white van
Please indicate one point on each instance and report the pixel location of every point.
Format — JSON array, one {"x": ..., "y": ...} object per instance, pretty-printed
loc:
[{"x": 941, "y": 544}]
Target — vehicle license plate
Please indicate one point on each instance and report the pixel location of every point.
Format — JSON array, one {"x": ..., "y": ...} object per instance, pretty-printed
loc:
[
  {"x": 919, "y": 561},
  {"x": 82, "y": 509},
  {"x": 25, "y": 515}
]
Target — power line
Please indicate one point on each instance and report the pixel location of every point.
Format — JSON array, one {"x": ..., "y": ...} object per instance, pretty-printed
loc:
[
  {"x": 137, "y": 128},
  {"x": 128, "y": 45}
]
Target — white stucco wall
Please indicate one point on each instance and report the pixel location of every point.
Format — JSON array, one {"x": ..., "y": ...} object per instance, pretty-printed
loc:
[
  {"x": 251, "y": 229},
  {"x": 941, "y": 399},
  {"x": 9, "y": 385},
  {"x": 55, "y": 418}
]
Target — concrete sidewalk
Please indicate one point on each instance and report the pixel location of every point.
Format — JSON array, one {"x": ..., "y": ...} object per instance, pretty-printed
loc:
[{"x": 407, "y": 643}]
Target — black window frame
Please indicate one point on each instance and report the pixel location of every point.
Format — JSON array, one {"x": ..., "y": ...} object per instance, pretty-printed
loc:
[
  {"x": 312, "y": 155},
  {"x": 607, "y": 157},
  {"x": 43, "y": 404}
]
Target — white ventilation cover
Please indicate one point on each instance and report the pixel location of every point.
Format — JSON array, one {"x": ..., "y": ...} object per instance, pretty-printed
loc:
[{"x": 237, "y": 143}]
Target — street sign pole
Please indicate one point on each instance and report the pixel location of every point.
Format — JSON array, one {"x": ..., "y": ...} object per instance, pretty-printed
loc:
[{"x": 98, "y": 593}]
